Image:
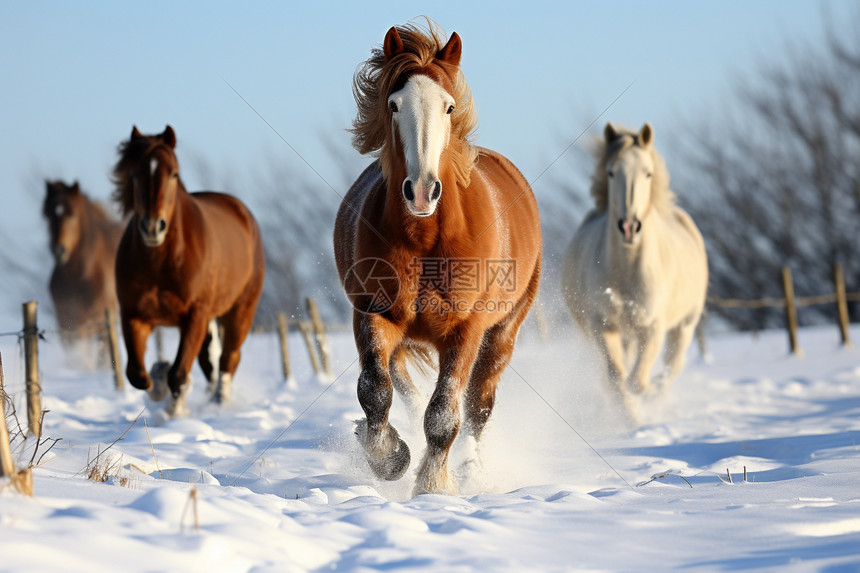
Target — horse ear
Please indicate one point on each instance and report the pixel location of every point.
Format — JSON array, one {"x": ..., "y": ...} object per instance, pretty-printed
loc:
[
  {"x": 610, "y": 133},
  {"x": 392, "y": 45},
  {"x": 76, "y": 187},
  {"x": 135, "y": 134},
  {"x": 169, "y": 137},
  {"x": 646, "y": 135},
  {"x": 452, "y": 50}
]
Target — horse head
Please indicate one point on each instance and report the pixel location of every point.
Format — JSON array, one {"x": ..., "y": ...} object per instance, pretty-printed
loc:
[
  {"x": 630, "y": 169},
  {"x": 62, "y": 208},
  {"x": 421, "y": 107},
  {"x": 155, "y": 183}
]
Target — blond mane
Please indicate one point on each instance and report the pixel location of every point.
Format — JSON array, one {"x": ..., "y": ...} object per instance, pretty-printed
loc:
[
  {"x": 662, "y": 197},
  {"x": 376, "y": 79}
]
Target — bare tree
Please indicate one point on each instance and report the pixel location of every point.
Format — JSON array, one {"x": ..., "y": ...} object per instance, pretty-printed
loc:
[{"x": 779, "y": 183}]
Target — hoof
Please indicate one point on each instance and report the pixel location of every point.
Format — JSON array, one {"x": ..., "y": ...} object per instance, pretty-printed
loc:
[
  {"x": 637, "y": 386},
  {"x": 388, "y": 456},
  {"x": 223, "y": 392},
  {"x": 158, "y": 373}
]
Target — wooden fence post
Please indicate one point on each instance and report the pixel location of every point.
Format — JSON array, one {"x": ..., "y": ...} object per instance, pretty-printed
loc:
[
  {"x": 322, "y": 340},
  {"x": 285, "y": 352},
  {"x": 305, "y": 329},
  {"x": 842, "y": 305},
  {"x": 113, "y": 344},
  {"x": 7, "y": 466},
  {"x": 31, "y": 364},
  {"x": 790, "y": 310}
]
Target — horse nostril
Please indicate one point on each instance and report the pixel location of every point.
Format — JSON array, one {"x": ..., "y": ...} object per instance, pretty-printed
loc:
[
  {"x": 407, "y": 190},
  {"x": 144, "y": 226},
  {"x": 621, "y": 225},
  {"x": 162, "y": 225},
  {"x": 437, "y": 190},
  {"x": 638, "y": 225}
]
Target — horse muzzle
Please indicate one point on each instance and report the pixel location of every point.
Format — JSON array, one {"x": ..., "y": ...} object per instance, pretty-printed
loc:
[
  {"x": 630, "y": 229},
  {"x": 153, "y": 231},
  {"x": 421, "y": 200}
]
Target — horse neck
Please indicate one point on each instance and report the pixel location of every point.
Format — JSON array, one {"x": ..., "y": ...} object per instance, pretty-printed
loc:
[
  {"x": 423, "y": 234},
  {"x": 82, "y": 259}
]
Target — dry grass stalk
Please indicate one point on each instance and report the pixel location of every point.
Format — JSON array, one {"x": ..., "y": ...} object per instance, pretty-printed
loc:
[
  {"x": 192, "y": 501},
  {"x": 102, "y": 470},
  {"x": 22, "y": 481},
  {"x": 146, "y": 427}
]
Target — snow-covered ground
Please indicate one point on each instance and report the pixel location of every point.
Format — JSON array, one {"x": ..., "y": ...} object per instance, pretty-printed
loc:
[{"x": 280, "y": 486}]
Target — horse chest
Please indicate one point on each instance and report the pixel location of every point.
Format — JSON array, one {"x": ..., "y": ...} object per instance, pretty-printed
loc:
[
  {"x": 437, "y": 295},
  {"x": 625, "y": 305}
]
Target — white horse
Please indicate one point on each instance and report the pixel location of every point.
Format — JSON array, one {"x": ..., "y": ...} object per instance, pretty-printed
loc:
[{"x": 636, "y": 273}]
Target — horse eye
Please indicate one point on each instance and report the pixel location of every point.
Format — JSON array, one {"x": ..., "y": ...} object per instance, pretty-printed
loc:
[
  {"x": 450, "y": 110},
  {"x": 648, "y": 175},
  {"x": 611, "y": 174},
  {"x": 392, "y": 106},
  {"x": 175, "y": 175}
]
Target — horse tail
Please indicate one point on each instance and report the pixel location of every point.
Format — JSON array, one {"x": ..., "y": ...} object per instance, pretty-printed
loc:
[{"x": 421, "y": 357}]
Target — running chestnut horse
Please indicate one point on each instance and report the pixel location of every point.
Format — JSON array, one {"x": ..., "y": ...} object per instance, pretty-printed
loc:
[
  {"x": 84, "y": 240},
  {"x": 186, "y": 260},
  {"x": 438, "y": 246}
]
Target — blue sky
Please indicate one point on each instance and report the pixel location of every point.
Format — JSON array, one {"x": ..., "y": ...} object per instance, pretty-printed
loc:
[{"x": 77, "y": 76}]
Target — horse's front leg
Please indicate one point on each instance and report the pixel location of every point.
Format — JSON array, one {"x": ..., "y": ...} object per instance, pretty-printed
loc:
[
  {"x": 192, "y": 332},
  {"x": 386, "y": 453},
  {"x": 135, "y": 332},
  {"x": 650, "y": 340},
  {"x": 611, "y": 346},
  {"x": 442, "y": 417}
]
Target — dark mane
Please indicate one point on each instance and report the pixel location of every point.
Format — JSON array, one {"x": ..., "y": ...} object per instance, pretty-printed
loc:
[
  {"x": 130, "y": 154},
  {"x": 95, "y": 211}
]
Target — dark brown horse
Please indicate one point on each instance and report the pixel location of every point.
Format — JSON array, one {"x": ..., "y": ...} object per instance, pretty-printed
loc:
[
  {"x": 438, "y": 246},
  {"x": 185, "y": 260},
  {"x": 84, "y": 241}
]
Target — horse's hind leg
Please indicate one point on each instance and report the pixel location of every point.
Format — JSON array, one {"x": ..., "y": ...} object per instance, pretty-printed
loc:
[
  {"x": 210, "y": 354},
  {"x": 677, "y": 341},
  {"x": 386, "y": 453},
  {"x": 236, "y": 325},
  {"x": 401, "y": 379}
]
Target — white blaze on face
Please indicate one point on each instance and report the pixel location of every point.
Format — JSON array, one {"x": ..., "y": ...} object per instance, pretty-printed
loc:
[
  {"x": 153, "y": 165},
  {"x": 422, "y": 118},
  {"x": 630, "y": 190}
]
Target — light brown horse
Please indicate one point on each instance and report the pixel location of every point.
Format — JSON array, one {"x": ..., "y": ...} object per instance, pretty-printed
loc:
[
  {"x": 84, "y": 240},
  {"x": 438, "y": 247},
  {"x": 185, "y": 260}
]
